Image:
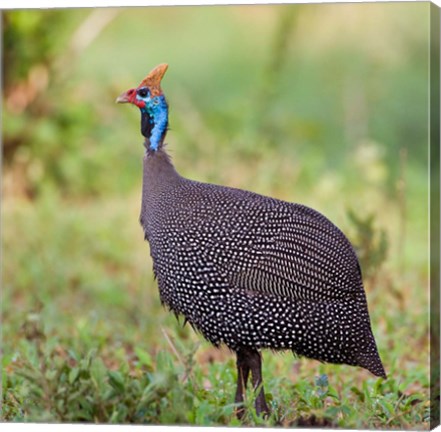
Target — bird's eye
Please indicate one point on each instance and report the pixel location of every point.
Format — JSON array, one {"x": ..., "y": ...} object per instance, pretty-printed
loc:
[{"x": 142, "y": 92}]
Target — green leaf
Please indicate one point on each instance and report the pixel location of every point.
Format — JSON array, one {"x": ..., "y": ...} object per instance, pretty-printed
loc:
[
  {"x": 144, "y": 357},
  {"x": 358, "y": 393},
  {"x": 51, "y": 374},
  {"x": 378, "y": 387},
  {"x": 98, "y": 372},
  {"x": 346, "y": 410},
  {"x": 73, "y": 374},
  {"x": 387, "y": 407},
  {"x": 116, "y": 380},
  {"x": 414, "y": 399},
  {"x": 73, "y": 355}
]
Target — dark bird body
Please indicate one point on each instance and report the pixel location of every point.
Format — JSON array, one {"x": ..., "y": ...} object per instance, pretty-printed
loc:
[{"x": 251, "y": 271}]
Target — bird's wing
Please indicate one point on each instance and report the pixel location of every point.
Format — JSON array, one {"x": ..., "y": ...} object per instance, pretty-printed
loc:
[{"x": 297, "y": 253}]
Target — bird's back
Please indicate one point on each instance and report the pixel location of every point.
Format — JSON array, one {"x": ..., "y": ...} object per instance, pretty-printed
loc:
[{"x": 263, "y": 244}]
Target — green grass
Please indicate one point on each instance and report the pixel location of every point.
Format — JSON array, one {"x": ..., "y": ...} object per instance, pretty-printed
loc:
[
  {"x": 173, "y": 387},
  {"x": 180, "y": 382}
]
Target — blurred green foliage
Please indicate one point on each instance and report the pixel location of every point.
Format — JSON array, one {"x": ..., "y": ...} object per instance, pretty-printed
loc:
[
  {"x": 284, "y": 89},
  {"x": 370, "y": 243},
  {"x": 30, "y": 38},
  {"x": 309, "y": 103}
]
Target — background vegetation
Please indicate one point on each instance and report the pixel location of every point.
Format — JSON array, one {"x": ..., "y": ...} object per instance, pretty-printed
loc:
[{"x": 325, "y": 105}]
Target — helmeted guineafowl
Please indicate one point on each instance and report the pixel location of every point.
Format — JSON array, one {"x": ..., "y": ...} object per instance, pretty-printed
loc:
[{"x": 247, "y": 270}]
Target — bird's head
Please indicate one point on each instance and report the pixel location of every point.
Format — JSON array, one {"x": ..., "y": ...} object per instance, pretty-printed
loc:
[{"x": 150, "y": 99}]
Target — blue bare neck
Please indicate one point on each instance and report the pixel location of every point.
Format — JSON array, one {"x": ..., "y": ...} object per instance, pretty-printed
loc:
[{"x": 154, "y": 122}]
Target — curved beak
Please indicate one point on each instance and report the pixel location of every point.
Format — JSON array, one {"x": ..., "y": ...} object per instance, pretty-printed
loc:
[{"x": 126, "y": 97}]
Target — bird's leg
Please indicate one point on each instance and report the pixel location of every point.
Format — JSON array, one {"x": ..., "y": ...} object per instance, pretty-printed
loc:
[
  {"x": 255, "y": 364},
  {"x": 243, "y": 371},
  {"x": 249, "y": 359}
]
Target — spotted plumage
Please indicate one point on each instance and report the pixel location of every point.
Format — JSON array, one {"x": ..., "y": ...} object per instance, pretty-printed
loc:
[{"x": 250, "y": 271}]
